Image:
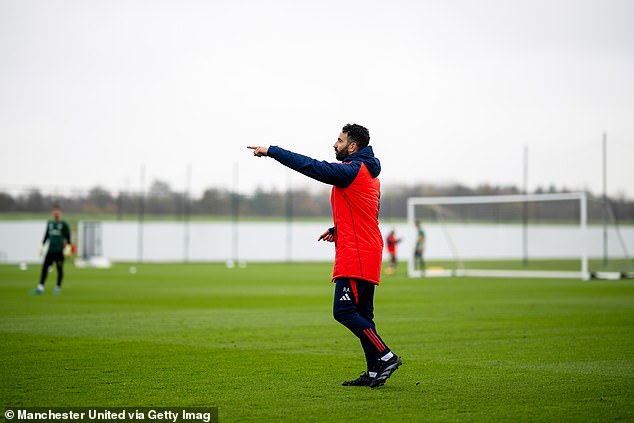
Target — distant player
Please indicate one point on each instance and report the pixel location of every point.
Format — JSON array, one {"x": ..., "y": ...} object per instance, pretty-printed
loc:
[
  {"x": 358, "y": 240},
  {"x": 58, "y": 236},
  {"x": 392, "y": 241},
  {"x": 419, "y": 261}
]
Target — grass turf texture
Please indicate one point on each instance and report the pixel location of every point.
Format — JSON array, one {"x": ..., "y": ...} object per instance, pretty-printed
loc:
[{"x": 260, "y": 343}]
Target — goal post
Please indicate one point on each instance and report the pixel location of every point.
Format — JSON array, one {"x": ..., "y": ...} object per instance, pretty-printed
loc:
[{"x": 438, "y": 207}]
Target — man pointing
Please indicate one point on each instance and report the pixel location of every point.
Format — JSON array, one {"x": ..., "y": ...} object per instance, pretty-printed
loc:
[{"x": 358, "y": 240}]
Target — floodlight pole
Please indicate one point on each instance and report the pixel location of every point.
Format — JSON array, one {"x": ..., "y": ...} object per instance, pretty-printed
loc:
[
  {"x": 120, "y": 206},
  {"x": 186, "y": 212},
  {"x": 141, "y": 217},
  {"x": 583, "y": 216},
  {"x": 605, "y": 202},
  {"x": 235, "y": 212},
  {"x": 525, "y": 211},
  {"x": 289, "y": 220}
]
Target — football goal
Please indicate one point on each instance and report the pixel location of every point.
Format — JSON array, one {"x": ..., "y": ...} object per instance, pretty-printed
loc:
[{"x": 531, "y": 235}]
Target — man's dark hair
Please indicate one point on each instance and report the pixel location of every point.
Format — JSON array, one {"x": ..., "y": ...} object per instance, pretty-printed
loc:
[{"x": 357, "y": 134}]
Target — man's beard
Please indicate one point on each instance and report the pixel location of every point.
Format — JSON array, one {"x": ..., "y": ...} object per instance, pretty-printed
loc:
[{"x": 343, "y": 154}]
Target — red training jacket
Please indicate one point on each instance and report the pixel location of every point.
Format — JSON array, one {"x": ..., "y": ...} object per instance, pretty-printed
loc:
[{"x": 355, "y": 199}]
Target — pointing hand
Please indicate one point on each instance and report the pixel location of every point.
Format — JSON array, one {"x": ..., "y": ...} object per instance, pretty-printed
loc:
[{"x": 259, "y": 151}]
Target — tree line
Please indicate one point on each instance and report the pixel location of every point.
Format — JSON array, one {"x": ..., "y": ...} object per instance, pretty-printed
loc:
[{"x": 162, "y": 200}]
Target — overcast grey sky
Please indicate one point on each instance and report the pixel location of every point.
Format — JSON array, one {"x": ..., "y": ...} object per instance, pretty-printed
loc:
[{"x": 451, "y": 90}]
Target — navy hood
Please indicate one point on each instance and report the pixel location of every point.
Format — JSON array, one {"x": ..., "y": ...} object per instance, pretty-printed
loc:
[{"x": 366, "y": 156}]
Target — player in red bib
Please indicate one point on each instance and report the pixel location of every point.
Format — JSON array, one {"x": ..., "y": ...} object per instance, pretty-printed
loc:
[{"x": 392, "y": 241}]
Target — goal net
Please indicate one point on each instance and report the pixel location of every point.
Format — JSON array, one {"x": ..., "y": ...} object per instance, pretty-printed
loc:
[{"x": 532, "y": 235}]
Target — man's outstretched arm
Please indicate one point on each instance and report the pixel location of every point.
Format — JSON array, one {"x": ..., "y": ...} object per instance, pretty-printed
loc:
[{"x": 338, "y": 174}]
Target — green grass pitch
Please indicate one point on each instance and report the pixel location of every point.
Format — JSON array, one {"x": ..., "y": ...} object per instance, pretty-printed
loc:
[{"x": 260, "y": 343}]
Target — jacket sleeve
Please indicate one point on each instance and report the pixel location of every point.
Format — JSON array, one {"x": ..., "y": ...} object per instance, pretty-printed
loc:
[
  {"x": 45, "y": 235},
  {"x": 337, "y": 174},
  {"x": 67, "y": 233}
]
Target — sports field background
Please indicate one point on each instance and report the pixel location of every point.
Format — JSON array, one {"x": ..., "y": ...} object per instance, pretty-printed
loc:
[{"x": 260, "y": 343}]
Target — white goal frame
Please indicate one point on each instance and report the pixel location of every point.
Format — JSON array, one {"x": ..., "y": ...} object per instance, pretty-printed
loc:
[{"x": 490, "y": 199}]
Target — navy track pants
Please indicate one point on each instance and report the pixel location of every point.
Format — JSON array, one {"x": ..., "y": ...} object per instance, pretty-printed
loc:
[{"x": 354, "y": 308}]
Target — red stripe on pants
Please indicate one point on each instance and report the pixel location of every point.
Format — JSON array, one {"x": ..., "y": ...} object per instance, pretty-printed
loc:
[
  {"x": 353, "y": 286},
  {"x": 374, "y": 339}
]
